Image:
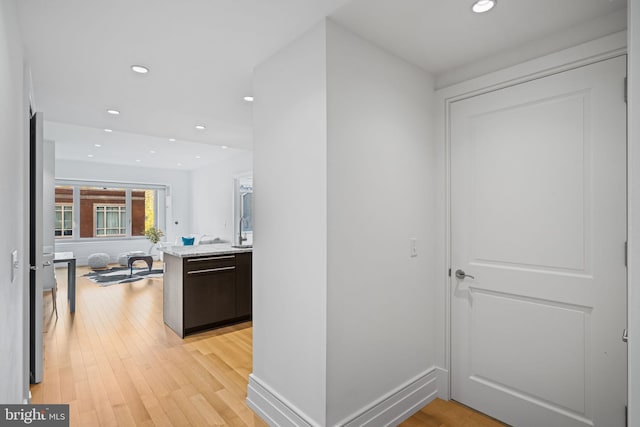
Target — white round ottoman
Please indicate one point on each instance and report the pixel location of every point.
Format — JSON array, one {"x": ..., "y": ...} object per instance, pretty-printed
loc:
[
  {"x": 124, "y": 257},
  {"x": 99, "y": 260}
]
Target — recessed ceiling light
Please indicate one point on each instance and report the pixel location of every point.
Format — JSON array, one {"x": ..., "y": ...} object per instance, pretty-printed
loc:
[
  {"x": 138, "y": 160},
  {"x": 172, "y": 140},
  {"x": 179, "y": 164},
  {"x": 114, "y": 112},
  {"x": 97, "y": 145},
  {"x": 197, "y": 157},
  {"x": 201, "y": 127},
  {"x": 224, "y": 147},
  {"x": 108, "y": 130},
  {"x": 481, "y": 6},
  {"x": 248, "y": 98},
  {"x": 140, "y": 69},
  {"x": 89, "y": 155},
  {"x": 152, "y": 151}
]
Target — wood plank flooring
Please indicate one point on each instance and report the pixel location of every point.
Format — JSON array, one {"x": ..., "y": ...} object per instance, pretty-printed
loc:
[{"x": 116, "y": 364}]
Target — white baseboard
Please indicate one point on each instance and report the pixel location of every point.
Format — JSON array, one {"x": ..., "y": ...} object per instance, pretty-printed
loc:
[
  {"x": 442, "y": 379},
  {"x": 272, "y": 408},
  {"x": 389, "y": 411},
  {"x": 400, "y": 404}
]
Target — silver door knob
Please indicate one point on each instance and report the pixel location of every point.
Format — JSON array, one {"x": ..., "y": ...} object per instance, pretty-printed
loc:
[{"x": 460, "y": 274}]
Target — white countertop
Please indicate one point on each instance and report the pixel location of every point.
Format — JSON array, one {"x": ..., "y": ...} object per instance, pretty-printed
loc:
[{"x": 200, "y": 250}]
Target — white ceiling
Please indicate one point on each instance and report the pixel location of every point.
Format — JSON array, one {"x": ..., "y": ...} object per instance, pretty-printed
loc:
[
  {"x": 202, "y": 53},
  {"x": 441, "y": 36},
  {"x": 93, "y": 145}
]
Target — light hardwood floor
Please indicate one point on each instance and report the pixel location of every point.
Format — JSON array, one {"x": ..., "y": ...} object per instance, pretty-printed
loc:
[{"x": 116, "y": 364}]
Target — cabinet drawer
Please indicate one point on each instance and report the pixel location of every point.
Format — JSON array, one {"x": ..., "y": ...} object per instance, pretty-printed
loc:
[
  {"x": 209, "y": 298},
  {"x": 211, "y": 263}
]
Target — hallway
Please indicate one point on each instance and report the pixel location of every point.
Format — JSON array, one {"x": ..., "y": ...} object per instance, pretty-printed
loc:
[{"x": 117, "y": 364}]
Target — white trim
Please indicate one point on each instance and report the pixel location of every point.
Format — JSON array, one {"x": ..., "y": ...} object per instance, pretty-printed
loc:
[
  {"x": 633, "y": 218},
  {"x": 586, "y": 53},
  {"x": 273, "y": 408},
  {"x": 578, "y": 56},
  {"x": 390, "y": 410},
  {"x": 120, "y": 184},
  {"x": 400, "y": 404},
  {"x": 442, "y": 383},
  {"x": 28, "y": 100}
]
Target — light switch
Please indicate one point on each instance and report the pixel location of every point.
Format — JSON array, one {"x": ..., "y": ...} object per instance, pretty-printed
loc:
[{"x": 413, "y": 250}]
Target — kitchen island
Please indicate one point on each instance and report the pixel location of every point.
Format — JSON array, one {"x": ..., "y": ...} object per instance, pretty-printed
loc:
[{"x": 206, "y": 286}]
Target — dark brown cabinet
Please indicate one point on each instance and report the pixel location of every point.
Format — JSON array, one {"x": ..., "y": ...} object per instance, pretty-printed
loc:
[
  {"x": 243, "y": 284},
  {"x": 213, "y": 291}
]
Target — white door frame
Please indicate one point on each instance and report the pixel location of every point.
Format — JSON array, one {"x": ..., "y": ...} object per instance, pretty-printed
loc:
[
  {"x": 633, "y": 170},
  {"x": 588, "y": 53}
]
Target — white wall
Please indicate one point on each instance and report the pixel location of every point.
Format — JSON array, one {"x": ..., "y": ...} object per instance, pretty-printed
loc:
[
  {"x": 13, "y": 190},
  {"x": 634, "y": 210},
  {"x": 290, "y": 243},
  {"x": 179, "y": 209},
  {"x": 343, "y": 173},
  {"x": 381, "y": 321},
  {"x": 212, "y": 195}
]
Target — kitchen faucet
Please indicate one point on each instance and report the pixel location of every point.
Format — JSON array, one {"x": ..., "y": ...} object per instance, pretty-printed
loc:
[{"x": 240, "y": 237}]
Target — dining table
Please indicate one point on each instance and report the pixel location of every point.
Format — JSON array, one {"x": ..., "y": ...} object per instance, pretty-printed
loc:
[{"x": 70, "y": 260}]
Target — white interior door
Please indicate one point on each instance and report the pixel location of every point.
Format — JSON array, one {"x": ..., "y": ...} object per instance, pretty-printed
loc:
[{"x": 538, "y": 218}]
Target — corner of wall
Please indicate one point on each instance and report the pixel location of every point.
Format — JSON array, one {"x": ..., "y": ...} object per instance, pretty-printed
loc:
[
  {"x": 273, "y": 408},
  {"x": 400, "y": 404},
  {"x": 289, "y": 315}
]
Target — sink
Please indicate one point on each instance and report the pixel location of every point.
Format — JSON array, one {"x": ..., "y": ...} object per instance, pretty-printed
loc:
[{"x": 242, "y": 246}]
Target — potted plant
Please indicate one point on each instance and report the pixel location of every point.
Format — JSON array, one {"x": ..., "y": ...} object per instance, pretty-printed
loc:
[{"x": 154, "y": 235}]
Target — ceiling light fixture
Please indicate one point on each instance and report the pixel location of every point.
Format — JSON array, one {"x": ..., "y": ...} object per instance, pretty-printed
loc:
[
  {"x": 172, "y": 140},
  {"x": 97, "y": 145},
  {"x": 224, "y": 147},
  {"x": 140, "y": 69},
  {"x": 197, "y": 157},
  {"x": 89, "y": 155},
  {"x": 108, "y": 130},
  {"x": 481, "y": 6},
  {"x": 248, "y": 98},
  {"x": 113, "y": 112},
  {"x": 138, "y": 160},
  {"x": 201, "y": 127},
  {"x": 179, "y": 164},
  {"x": 152, "y": 151}
]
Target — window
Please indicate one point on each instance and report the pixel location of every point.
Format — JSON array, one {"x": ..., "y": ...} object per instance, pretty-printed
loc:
[
  {"x": 110, "y": 220},
  {"x": 246, "y": 210},
  {"x": 96, "y": 210},
  {"x": 94, "y": 214},
  {"x": 243, "y": 209},
  {"x": 64, "y": 212},
  {"x": 64, "y": 220}
]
